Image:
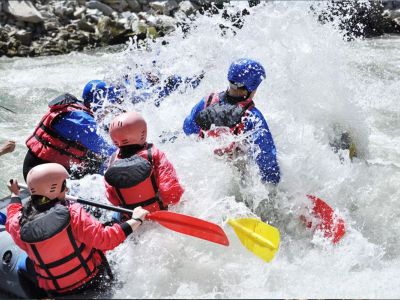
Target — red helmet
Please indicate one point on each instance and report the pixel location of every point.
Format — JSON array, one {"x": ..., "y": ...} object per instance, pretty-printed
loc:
[
  {"x": 128, "y": 129},
  {"x": 47, "y": 180}
]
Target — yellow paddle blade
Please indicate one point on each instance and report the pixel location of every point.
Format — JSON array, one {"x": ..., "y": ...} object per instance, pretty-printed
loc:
[{"x": 260, "y": 238}]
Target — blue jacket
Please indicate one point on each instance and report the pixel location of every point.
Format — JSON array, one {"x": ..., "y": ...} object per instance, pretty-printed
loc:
[
  {"x": 82, "y": 127},
  {"x": 264, "y": 153}
]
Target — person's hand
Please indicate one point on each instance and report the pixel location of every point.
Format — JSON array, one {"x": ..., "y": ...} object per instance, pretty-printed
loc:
[
  {"x": 8, "y": 147},
  {"x": 13, "y": 187},
  {"x": 138, "y": 216},
  {"x": 139, "y": 213}
]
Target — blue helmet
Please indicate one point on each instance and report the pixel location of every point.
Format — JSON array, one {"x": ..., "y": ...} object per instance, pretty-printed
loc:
[
  {"x": 246, "y": 72},
  {"x": 96, "y": 90}
]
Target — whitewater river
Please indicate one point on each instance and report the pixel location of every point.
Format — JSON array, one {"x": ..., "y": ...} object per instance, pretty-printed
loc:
[{"x": 316, "y": 82}]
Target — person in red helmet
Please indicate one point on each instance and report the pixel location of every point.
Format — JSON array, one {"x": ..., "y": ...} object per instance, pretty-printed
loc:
[
  {"x": 139, "y": 174},
  {"x": 64, "y": 244}
]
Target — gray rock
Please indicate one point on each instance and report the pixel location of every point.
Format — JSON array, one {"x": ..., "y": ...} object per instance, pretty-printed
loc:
[
  {"x": 188, "y": 7},
  {"x": 93, "y": 18},
  {"x": 60, "y": 10},
  {"x": 164, "y": 7},
  {"x": 85, "y": 26},
  {"x": 23, "y": 10},
  {"x": 104, "y": 8},
  {"x": 94, "y": 12},
  {"x": 23, "y": 50},
  {"x": 118, "y": 5},
  {"x": 139, "y": 27},
  {"x": 109, "y": 30},
  {"x": 395, "y": 14},
  {"x": 63, "y": 35},
  {"x": 134, "y": 5},
  {"x": 81, "y": 2},
  {"x": 150, "y": 19},
  {"x": 79, "y": 11},
  {"x": 20, "y": 24},
  {"x": 25, "y": 37},
  {"x": 397, "y": 21},
  {"x": 51, "y": 25},
  {"x": 167, "y": 23},
  {"x": 391, "y": 4}
]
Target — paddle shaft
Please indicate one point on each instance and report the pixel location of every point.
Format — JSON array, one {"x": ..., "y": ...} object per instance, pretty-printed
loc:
[
  {"x": 3, "y": 107},
  {"x": 88, "y": 202},
  {"x": 177, "y": 222},
  {"x": 100, "y": 205}
]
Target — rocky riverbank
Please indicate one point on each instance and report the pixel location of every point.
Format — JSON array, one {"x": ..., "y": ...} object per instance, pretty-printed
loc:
[{"x": 50, "y": 27}]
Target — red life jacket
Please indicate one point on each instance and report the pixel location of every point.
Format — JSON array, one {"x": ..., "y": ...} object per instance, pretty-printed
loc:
[
  {"x": 61, "y": 262},
  {"x": 143, "y": 192},
  {"x": 47, "y": 144},
  {"x": 238, "y": 128}
]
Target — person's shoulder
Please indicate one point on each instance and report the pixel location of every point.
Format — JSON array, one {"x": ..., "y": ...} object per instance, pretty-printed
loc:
[
  {"x": 74, "y": 209},
  {"x": 78, "y": 115},
  {"x": 257, "y": 113}
]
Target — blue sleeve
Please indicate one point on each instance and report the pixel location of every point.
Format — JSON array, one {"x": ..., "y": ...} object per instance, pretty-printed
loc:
[
  {"x": 189, "y": 125},
  {"x": 264, "y": 149},
  {"x": 175, "y": 81},
  {"x": 82, "y": 127}
]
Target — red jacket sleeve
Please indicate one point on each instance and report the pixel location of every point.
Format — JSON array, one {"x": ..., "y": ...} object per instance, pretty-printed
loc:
[
  {"x": 12, "y": 223},
  {"x": 170, "y": 190},
  {"x": 88, "y": 230}
]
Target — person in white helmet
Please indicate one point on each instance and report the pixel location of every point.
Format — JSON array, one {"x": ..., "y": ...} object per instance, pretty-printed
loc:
[
  {"x": 139, "y": 174},
  {"x": 65, "y": 245}
]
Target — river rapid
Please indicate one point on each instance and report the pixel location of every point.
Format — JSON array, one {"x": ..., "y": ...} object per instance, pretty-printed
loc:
[{"x": 316, "y": 83}]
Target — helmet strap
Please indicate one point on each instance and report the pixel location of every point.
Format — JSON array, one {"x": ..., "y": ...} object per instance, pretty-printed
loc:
[
  {"x": 130, "y": 150},
  {"x": 236, "y": 99},
  {"x": 43, "y": 203}
]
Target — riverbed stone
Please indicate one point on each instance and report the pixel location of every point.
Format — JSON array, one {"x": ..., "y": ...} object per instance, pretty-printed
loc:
[
  {"x": 24, "y": 36},
  {"x": 164, "y": 7},
  {"x": 188, "y": 7},
  {"x": 118, "y": 5},
  {"x": 134, "y": 5},
  {"x": 79, "y": 11},
  {"x": 85, "y": 26},
  {"x": 23, "y": 10},
  {"x": 104, "y": 8}
]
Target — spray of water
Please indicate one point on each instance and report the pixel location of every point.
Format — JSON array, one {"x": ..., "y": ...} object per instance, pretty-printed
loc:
[{"x": 317, "y": 84}]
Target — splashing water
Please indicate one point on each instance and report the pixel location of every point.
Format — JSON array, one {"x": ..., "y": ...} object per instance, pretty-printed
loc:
[{"x": 316, "y": 83}]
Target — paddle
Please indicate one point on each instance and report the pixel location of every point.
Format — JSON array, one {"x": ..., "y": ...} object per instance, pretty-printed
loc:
[
  {"x": 260, "y": 238},
  {"x": 325, "y": 220},
  {"x": 178, "y": 222}
]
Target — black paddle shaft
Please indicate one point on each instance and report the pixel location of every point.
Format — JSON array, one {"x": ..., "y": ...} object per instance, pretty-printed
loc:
[{"x": 105, "y": 206}]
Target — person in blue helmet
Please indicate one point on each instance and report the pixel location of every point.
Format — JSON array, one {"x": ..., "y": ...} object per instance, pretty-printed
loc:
[
  {"x": 233, "y": 111},
  {"x": 96, "y": 91},
  {"x": 67, "y": 134}
]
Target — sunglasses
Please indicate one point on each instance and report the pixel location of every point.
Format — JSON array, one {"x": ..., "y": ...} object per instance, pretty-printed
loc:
[{"x": 236, "y": 85}]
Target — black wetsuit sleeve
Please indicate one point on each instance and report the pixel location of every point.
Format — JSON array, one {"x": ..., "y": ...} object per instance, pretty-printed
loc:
[{"x": 126, "y": 228}]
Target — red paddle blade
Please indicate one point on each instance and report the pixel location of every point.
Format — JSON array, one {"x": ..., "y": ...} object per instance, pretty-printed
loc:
[
  {"x": 325, "y": 220},
  {"x": 190, "y": 225}
]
